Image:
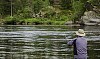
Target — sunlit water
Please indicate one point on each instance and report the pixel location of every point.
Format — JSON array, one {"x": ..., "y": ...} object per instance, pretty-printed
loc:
[{"x": 45, "y": 42}]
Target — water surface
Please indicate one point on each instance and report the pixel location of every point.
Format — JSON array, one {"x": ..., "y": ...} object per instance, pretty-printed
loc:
[{"x": 45, "y": 42}]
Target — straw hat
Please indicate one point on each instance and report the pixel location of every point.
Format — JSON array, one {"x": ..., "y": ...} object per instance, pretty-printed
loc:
[{"x": 80, "y": 32}]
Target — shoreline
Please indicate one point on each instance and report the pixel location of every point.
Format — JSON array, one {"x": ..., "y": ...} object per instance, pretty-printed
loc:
[
  {"x": 53, "y": 25},
  {"x": 42, "y": 25}
]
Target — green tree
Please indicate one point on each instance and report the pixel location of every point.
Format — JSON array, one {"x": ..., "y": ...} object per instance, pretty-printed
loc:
[
  {"x": 66, "y": 4},
  {"x": 38, "y": 5},
  {"x": 1, "y": 8},
  {"x": 4, "y": 7},
  {"x": 51, "y": 2},
  {"x": 95, "y": 2},
  {"x": 78, "y": 9}
]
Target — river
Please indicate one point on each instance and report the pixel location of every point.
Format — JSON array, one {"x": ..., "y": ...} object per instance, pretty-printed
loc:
[{"x": 45, "y": 42}]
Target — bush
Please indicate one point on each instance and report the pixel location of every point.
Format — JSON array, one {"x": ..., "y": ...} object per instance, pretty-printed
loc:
[
  {"x": 64, "y": 18},
  {"x": 10, "y": 20}
]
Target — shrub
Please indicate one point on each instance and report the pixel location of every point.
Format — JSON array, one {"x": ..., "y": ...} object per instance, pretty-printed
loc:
[{"x": 9, "y": 20}]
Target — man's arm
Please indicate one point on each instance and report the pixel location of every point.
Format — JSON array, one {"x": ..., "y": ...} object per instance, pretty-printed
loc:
[{"x": 71, "y": 42}]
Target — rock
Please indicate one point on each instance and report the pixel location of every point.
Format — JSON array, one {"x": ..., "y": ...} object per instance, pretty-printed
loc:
[
  {"x": 90, "y": 23},
  {"x": 68, "y": 22},
  {"x": 95, "y": 20},
  {"x": 90, "y": 18}
]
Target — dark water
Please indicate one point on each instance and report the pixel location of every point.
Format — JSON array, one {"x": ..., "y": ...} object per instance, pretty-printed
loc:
[{"x": 45, "y": 42}]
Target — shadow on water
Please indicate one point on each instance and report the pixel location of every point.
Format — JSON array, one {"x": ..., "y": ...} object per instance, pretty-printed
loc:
[{"x": 45, "y": 42}]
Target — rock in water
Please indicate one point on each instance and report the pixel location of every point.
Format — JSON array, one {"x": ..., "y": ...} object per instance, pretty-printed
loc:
[{"x": 90, "y": 18}]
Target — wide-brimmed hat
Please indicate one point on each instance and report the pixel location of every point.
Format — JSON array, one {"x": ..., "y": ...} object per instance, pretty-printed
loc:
[{"x": 80, "y": 32}]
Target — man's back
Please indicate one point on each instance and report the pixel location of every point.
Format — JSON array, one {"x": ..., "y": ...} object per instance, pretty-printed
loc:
[{"x": 81, "y": 46}]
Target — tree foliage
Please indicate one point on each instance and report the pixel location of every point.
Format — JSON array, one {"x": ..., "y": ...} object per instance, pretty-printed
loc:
[
  {"x": 66, "y": 4},
  {"x": 42, "y": 9}
]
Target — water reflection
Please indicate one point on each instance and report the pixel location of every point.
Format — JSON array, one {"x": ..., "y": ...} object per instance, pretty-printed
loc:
[{"x": 44, "y": 42}]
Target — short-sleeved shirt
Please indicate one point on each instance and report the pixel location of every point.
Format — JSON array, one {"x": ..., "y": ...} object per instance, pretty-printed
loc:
[{"x": 80, "y": 47}]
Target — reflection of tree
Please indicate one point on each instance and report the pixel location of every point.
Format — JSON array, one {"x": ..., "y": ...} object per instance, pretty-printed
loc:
[
  {"x": 13, "y": 47},
  {"x": 7, "y": 48},
  {"x": 51, "y": 48}
]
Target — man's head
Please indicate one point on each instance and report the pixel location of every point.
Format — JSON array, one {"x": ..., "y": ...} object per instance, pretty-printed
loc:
[{"x": 80, "y": 32}]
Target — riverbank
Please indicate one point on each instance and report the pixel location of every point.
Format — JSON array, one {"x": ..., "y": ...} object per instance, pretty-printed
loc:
[
  {"x": 40, "y": 25},
  {"x": 52, "y": 25}
]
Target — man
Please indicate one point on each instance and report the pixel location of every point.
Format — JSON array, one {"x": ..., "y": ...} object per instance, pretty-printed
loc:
[{"x": 80, "y": 45}]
